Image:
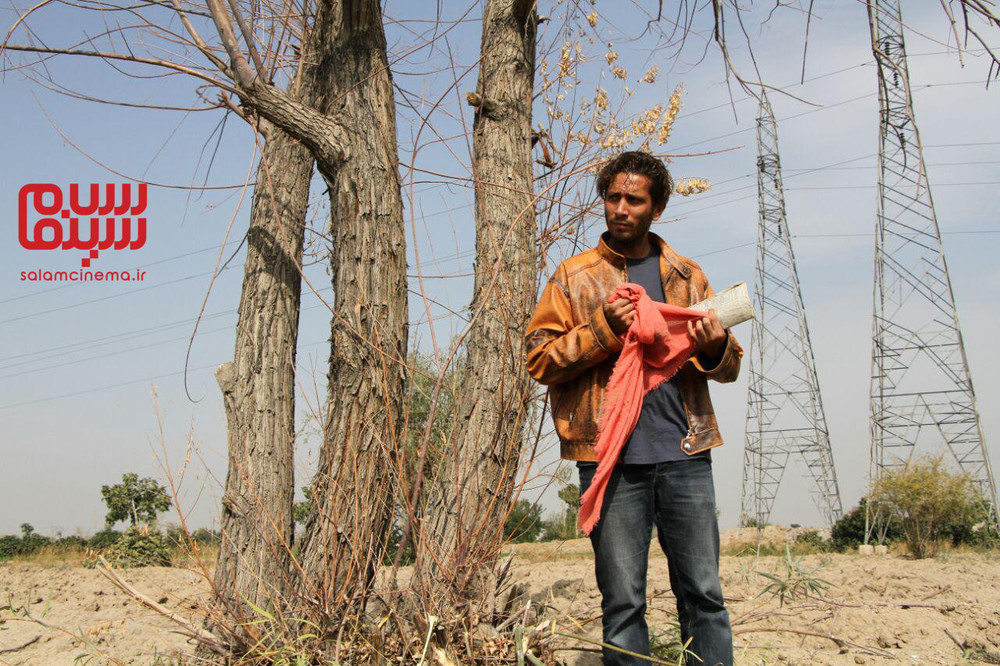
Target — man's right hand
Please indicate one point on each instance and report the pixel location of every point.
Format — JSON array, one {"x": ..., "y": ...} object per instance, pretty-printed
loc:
[{"x": 619, "y": 314}]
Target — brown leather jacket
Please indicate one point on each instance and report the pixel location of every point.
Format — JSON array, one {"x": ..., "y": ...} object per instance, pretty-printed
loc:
[{"x": 572, "y": 349}]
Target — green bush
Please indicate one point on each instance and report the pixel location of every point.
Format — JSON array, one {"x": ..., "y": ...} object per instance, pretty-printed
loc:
[
  {"x": 104, "y": 539},
  {"x": 26, "y": 544},
  {"x": 205, "y": 536},
  {"x": 930, "y": 502},
  {"x": 31, "y": 542},
  {"x": 139, "y": 547},
  {"x": 849, "y": 532},
  {"x": 73, "y": 541},
  {"x": 10, "y": 546},
  {"x": 978, "y": 531},
  {"x": 811, "y": 540}
]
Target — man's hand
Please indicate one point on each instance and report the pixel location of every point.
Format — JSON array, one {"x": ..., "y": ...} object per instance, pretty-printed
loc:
[
  {"x": 709, "y": 337},
  {"x": 619, "y": 314}
]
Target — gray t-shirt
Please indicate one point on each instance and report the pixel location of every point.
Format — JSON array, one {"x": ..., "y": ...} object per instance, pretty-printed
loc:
[{"x": 662, "y": 423}]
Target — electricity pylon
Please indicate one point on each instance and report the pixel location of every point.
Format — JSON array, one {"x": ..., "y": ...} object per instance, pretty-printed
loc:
[
  {"x": 921, "y": 389},
  {"x": 784, "y": 409}
]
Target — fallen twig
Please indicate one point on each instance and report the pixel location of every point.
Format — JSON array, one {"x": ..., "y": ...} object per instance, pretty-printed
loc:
[
  {"x": 204, "y": 636},
  {"x": 891, "y": 604},
  {"x": 960, "y": 644},
  {"x": 934, "y": 594},
  {"x": 972, "y": 652},
  {"x": 840, "y": 642}
]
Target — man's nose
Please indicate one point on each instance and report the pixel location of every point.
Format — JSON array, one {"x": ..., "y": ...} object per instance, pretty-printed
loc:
[{"x": 621, "y": 208}]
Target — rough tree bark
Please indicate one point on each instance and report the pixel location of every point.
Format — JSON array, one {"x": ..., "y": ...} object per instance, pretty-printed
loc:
[
  {"x": 345, "y": 536},
  {"x": 258, "y": 387},
  {"x": 350, "y": 129},
  {"x": 468, "y": 502}
]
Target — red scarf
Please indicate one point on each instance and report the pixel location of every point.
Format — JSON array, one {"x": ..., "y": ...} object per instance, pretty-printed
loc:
[{"x": 656, "y": 345}]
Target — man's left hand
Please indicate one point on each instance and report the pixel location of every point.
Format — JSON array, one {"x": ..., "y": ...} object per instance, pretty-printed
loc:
[{"x": 709, "y": 337}]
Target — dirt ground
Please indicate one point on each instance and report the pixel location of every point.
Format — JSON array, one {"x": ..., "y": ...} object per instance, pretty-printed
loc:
[{"x": 876, "y": 609}]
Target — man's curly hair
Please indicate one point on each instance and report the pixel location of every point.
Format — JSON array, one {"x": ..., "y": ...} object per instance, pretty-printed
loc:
[{"x": 660, "y": 182}]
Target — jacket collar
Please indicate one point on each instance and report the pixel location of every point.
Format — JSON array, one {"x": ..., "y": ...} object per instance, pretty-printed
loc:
[{"x": 667, "y": 254}]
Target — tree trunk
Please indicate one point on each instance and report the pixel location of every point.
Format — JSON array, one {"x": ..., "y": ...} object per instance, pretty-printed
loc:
[
  {"x": 349, "y": 126},
  {"x": 469, "y": 500},
  {"x": 259, "y": 387},
  {"x": 345, "y": 535}
]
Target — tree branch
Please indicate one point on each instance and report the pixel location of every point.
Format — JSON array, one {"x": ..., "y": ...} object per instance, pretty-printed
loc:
[
  {"x": 127, "y": 58},
  {"x": 242, "y": 74}
]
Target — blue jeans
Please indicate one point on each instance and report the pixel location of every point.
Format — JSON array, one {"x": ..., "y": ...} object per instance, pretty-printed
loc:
[{"x": 680, "y": 498}]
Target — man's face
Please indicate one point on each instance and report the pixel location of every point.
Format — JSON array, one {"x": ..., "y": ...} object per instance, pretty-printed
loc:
[{"x": 628, "y": 208}]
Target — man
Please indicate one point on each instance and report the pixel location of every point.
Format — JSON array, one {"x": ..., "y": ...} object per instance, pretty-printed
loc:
[{"x": 664, "y": 476}]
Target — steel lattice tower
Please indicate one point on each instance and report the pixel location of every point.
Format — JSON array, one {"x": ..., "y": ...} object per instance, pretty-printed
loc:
[
  {"x": 921, "y": 390},
  {"x": 784, "y": 409}
]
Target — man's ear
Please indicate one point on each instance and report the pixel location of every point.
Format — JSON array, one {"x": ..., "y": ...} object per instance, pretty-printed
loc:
[{"x": 659, "y": 211}]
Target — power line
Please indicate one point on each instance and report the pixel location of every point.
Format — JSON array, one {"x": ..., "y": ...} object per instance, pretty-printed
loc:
[
  {"x": 150, "y": 330},
  {"x": 140, "y": 332},
  {"x": 203, "y": 367},
  {"x": 466, "y": 206},
  {"x": 310, "y": 345},
  {"x": 874, "y": 185}
]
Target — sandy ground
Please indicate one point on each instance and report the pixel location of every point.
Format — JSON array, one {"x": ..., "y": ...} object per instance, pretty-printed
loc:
[{"x": 877, "y": 609}]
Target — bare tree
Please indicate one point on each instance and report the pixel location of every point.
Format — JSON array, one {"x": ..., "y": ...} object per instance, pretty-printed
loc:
[
  {"x": 348, "y": 124},
  {"x": 344, "y": 116},
  {"x": 470, "y": 498}
]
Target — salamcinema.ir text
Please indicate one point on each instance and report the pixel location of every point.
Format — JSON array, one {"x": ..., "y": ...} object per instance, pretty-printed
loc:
[{"x": 136, "y": 275}]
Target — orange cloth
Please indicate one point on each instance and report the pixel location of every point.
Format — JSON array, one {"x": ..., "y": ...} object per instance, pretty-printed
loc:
[{"x": 656, "y": 345}]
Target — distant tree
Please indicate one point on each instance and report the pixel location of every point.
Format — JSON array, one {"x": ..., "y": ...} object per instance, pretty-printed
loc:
[
  {"x": 524, "y": 524},
  {"x": 28, "y": 543},
  {"x": 135, "y": 500},
  {"x": 563, "y": 524},
  {"x": 570, "y": 494},
  {"x": 301, "y": 510}
]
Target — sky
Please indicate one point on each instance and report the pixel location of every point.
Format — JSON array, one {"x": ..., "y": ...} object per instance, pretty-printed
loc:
[{"x": 92, "y": 376}]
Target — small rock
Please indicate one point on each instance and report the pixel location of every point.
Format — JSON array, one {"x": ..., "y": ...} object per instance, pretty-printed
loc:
[
  {"x": 881, "y": 549},
  {"x": 566, "y": 588},
  {"x": 94, "y": 607},
  {"x": 866, "y": 549},
  {"x": 162, "y": 600},
  {"x": 858, "y": 659}
]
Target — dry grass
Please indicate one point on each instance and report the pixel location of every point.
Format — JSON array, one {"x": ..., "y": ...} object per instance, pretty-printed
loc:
[{"x": 56, "y": 556}]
